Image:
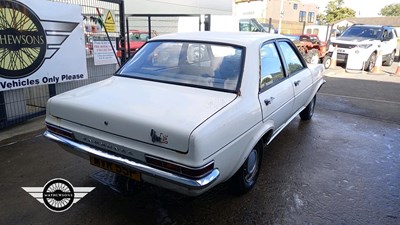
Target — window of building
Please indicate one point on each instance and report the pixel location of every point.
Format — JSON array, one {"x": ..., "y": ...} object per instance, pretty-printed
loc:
[
  {"x": 295, "y": 6},
  {"x": 302, "y": 16},
  {"x": 311, "y": 17}
]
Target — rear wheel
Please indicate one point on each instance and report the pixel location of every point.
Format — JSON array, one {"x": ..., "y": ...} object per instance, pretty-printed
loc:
[
  {"x": 390, "y": 61},
  {"x": 245, "y": 178},
  {"x": 308, "y": 112}
]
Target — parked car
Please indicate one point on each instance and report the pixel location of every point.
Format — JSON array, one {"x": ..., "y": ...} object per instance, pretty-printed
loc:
[
  {"x": 269, "y": 28},
  {"x": 252, "y": 25},
  {"x": 365, "y": 41},
  {"x": 136, "y": 40},
  {"x": 189, "y": 110},
  {"x": 311, "y": 48}
]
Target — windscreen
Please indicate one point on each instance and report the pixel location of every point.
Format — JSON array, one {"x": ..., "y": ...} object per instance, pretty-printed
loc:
[
  {"x": 207, "y": 65},
  {"x": 365, "y": 32}
]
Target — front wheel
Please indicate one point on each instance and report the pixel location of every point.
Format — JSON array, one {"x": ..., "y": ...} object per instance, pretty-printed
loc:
[
  {"x": 308, "y": 112},
  {"x": 370, "y": 64},
  {"x": 245, "y": 178},
  {"x": 327, "y": 61}
]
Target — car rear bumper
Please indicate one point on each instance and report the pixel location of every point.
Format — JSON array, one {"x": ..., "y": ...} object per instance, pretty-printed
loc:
[{"x": 152, "y": 175}]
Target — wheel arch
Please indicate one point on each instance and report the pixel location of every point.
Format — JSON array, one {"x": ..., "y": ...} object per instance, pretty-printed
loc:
[{"x": 262, "y": 138}]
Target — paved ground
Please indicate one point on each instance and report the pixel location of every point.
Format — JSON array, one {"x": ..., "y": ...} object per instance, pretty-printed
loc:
[{"x": 342, "y": 167}]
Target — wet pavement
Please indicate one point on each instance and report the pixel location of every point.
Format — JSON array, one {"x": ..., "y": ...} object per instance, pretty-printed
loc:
[{"x": 342, "y": 167}]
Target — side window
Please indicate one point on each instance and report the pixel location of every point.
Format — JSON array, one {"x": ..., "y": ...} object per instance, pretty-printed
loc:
[
  {"x": 293, "y": 62},
  {"x": 391, "y": 34},
  {"x": 271, "y": 66}
]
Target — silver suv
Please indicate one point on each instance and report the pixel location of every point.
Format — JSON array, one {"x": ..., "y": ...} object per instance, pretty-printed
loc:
[{"x": 365, "y": 41}]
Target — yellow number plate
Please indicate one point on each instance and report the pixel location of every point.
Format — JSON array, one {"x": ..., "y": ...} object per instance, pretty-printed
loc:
[{"x": 122, "y": 170}]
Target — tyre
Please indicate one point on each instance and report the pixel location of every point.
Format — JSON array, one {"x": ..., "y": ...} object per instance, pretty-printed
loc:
[
  {"x": 370, "y": 64},
  {"x": 391, "y": 59},
  {"x": 314, "y": 59},
  {"x": 327, "y": 61},
  {"x": 246, "y": 177},
  {"x": 308, "y": 112}
]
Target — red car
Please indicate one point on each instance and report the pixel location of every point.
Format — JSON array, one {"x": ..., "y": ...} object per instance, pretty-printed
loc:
[{"x": 136, "y": 38}]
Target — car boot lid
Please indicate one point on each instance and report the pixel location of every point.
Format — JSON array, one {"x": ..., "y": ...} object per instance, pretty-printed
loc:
[{"x": 151, "y": 112}]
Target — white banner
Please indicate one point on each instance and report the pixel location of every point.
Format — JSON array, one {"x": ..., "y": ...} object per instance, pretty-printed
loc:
[
  {"x": 42, "y": 43},
  {"x": 103, "y": 52}
]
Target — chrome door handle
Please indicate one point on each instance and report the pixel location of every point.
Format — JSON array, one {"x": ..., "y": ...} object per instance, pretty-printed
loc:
[
  {"x": 268, "y": 101},
  {"x": 297, "y": 82}
]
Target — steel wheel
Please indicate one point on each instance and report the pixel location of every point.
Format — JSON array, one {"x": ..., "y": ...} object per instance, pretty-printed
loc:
[
  {"x": 246, "y": 177},
  {"x": 327, "y": 62},
  {"x": 391, "y": 59},
  {"x": 308, "y": 112},
  {"x": 371, "y": 62},
  {"x": 252, "y": 166}
]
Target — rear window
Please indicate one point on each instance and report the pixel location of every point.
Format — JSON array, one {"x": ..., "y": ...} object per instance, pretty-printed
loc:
[{"x": 188, "y": 63}]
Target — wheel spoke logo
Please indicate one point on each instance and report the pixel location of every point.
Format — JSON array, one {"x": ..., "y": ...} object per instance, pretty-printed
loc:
[
  {"x": 25, "y": 40},
  {"x": 58, "y": 195},
  {"x": 22, "y": 40}
]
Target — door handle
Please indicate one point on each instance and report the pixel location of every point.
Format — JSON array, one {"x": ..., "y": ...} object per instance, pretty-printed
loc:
[
  {"x": 297, "y": 82},
  {"x": 268, "y": 101}
]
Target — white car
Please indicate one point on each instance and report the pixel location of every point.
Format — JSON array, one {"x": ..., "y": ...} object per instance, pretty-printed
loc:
[
  {"x": 365, "y": 42},
  {"x": 189, "y": 110}
]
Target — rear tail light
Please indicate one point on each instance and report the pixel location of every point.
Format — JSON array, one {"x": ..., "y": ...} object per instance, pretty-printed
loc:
[
  {"x": 60, "y": 131},
  {"x": 192, "y": 172}
]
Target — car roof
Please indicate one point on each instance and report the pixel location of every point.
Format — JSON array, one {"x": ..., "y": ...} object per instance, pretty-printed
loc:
[
  {"x": 366, "y": 25},
  {"x": 309, "y": 35},
  {"x": 138, "y": 31},
  {"x": 236, "y": 38}
]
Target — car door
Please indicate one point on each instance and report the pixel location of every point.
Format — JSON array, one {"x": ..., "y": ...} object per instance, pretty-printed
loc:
[
  {"x": 389, "y": 42},
  {"x": 299, "y": 75},
  {"x": 276, "y": 90}
]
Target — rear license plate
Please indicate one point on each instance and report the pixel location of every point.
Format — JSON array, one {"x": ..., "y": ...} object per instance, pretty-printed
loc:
[{"x": 122, "y": 170}]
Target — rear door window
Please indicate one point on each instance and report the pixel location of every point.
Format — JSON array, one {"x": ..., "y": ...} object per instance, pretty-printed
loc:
[{"x": 292, "y": 61}]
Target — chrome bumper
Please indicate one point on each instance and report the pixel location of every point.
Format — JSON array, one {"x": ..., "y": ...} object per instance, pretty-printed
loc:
[{"x": 81, "y": 149}]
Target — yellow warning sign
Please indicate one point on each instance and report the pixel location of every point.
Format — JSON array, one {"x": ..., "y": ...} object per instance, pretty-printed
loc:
[{"x": 109, "y": 22}]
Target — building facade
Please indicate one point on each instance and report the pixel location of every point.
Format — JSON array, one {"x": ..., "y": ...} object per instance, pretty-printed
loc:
[
  {"x": 293, "y": 10},
  {"x": 294, "y": 14}
]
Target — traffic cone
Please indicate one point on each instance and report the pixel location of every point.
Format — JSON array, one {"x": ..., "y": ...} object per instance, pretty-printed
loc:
[
  {"x": 334, "y": 58},
  {"x": 378, "y": 64},
  {"x": 397, "y": 73}
]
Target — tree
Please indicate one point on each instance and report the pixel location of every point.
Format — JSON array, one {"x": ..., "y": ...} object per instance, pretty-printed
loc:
[
  {"x": 335, "y": 11},
  {"x": 391, "y": 10}
]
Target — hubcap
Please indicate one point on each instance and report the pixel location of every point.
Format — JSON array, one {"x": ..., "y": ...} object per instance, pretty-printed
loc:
[
  {"x": 372, "y": 62},
  {"x": 327, "y": 63},
  {"x": 252, "y": 166}
]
